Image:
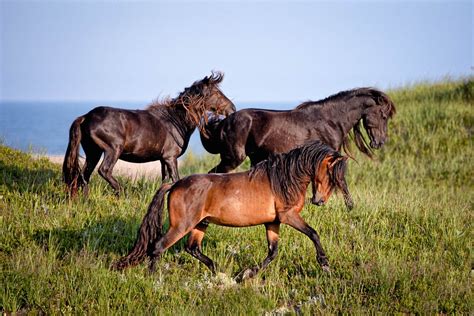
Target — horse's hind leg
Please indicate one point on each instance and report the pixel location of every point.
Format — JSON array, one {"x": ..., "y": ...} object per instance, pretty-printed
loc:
[
  {"x": 193, "y": 246},
  {"x": 173, "y": 234},
  {"x": 295, "y": 221},
  {"x": 93, "y": 153},
  {"x": 111, "y": 156},
  {"x": 273, "y": 230}
]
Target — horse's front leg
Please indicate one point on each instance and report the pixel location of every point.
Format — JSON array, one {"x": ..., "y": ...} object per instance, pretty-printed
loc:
[
  {"x": 294, "y": 220},
  {"x": 164, "y": 172},
  {"x": 272, "y": 230},
  {"x": 172, "y": 169},
  {"x": 230, "y": 160}
]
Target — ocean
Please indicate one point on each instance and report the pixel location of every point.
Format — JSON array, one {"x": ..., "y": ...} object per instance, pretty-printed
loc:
[{"x": 43, "y": 127}]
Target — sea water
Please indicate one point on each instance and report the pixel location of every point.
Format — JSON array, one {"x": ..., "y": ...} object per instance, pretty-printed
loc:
[{"x": 43, "y": 127}]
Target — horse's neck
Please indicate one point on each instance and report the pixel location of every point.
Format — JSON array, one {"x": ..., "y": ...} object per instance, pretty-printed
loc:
[
  {"x": 343, "y": 114},
  {"x": 177, "y": 115}
]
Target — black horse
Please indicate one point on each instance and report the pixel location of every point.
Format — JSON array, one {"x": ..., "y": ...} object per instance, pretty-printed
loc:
[
  {"x": 258, "y": 133},
  {"x": 161, "y": 132}
]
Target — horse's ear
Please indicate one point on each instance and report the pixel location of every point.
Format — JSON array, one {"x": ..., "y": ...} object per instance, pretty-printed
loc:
[
  {"x": 205, "y": 80},
  {"x": 216, "y": 77}
]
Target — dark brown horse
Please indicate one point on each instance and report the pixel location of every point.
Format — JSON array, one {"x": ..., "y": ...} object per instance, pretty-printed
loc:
[
  {"x": 161, "y": 132},
  {"x": 257, "y": 133},
  {"x": 271, "y": 193}
]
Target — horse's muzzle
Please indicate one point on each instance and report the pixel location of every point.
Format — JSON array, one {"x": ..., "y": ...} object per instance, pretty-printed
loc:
[
  {"x": 318, "y": 202},
  {"x": 376, "y": 145}
]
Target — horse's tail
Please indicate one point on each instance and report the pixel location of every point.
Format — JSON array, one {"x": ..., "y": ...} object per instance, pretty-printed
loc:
[
  {"x": 71, "y": 169},
  {"x": 150, "y": 231}
]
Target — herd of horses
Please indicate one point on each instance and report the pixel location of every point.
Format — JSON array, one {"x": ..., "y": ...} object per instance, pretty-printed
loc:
[{"x": 288, "y": 150}]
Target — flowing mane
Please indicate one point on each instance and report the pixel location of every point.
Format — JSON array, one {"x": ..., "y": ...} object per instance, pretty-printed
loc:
[
  {"x": 288, "y": 172},
  {"x": 378, "y": 96},
  {"x": 192, "y": 99}
]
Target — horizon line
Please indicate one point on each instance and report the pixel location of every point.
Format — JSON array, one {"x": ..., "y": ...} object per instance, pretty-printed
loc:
[
  {"x": 118, "y": 101},
  {"x": 390, "y": 88}
]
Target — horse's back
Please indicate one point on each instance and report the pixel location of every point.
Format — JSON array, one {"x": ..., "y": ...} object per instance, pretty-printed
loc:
[
  {"x": 256, "y": 121},
  {"x": 102, "y": 112},
  {"x": 233, "y": 199},
  {"x": 275, "y": 131},
  {"x": 141, "y": 136}
]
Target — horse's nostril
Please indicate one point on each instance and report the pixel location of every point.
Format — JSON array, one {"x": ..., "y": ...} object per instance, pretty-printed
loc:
[
  {"x": 317, "y": 202},
  {"x": 376, "y": 144}
]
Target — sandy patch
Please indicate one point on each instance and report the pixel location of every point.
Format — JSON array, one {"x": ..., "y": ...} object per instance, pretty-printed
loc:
[{"x": 131, "y": 170}]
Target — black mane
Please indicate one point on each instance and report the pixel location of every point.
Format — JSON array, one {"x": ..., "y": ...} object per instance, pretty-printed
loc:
[
  {"x": 379, "y": 97},
  {"x": 288, "y": 172},
  {"x": 191, "y": 99}
]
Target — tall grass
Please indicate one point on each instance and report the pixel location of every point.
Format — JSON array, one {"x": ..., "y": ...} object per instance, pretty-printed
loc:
[{"x": 405, "y": 247}]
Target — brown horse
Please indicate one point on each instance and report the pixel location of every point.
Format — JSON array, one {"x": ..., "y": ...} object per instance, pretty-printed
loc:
[
  {"x": 271, "y": 193},
  {"x": 258, "y": 133},
  {"x": 161, "y": 132}
]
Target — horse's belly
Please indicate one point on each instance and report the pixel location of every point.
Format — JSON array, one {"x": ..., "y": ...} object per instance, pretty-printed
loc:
[
  {"x": 139, "y": 158},
  {"x": 242, "y": 212},
  {"x": 240, "y": 220},
  {"x": 143, "y": 150},
  {"x": 236, "y": 200}
]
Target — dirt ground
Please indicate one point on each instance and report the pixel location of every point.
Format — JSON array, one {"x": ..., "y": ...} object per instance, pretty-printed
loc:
[{"x": 123, "y": 168}]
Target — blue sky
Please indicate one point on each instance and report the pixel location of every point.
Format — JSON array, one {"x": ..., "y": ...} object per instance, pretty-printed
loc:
[{"x": 270, "y": 51}]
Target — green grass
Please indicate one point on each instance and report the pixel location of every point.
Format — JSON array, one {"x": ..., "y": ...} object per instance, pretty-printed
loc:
[{"x": 406, "y": 247}]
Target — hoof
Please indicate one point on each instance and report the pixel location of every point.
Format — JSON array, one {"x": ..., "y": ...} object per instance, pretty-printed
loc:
[
  {"x": 152, "y": 268},
  {"x": 245, "y": 275},
  {"x": 223, "y": 280},
  {"x": 326, "y": 269},
  {"x": 116, "y": 266}
]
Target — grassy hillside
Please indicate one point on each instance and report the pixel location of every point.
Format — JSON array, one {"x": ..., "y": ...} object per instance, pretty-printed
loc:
[{"x": 405, "y": 247}]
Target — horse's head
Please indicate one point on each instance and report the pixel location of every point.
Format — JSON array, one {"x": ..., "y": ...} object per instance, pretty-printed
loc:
[
  {"x": 375, "y": 119},
  {"x": 205, "y": 95},
  {"x": 330, "y": 176},
  {"x": 216, "y": 100}
]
